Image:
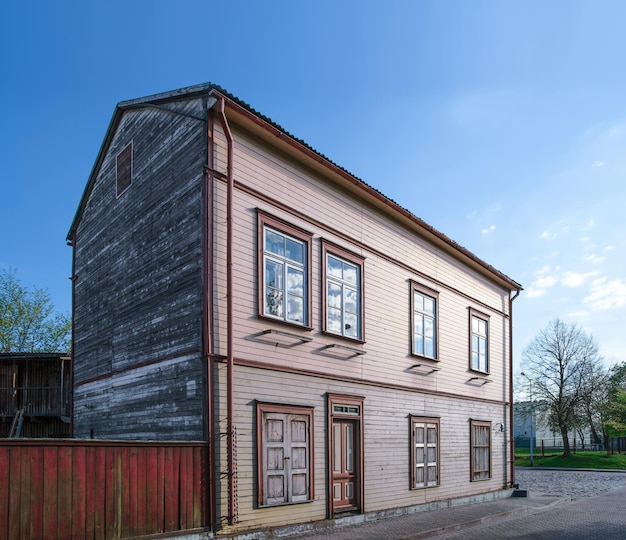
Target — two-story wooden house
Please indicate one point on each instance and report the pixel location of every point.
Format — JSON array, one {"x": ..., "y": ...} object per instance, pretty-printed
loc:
[{"x": 339, "y": 355}]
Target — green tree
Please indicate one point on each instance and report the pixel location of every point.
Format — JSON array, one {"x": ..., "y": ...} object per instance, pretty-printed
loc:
[
  {"x": 615, "y": 408},
  {"x": 565, "y": 368},
  {"x": 27, "y": 319}
]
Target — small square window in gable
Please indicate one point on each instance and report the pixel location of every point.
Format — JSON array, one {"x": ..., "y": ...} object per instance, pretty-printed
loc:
[{"x": 124, "y": 168}]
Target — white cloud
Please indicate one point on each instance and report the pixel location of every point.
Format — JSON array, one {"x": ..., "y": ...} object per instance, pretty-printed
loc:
[
  {"x": 575, "y": 279},
  {"x": 606, "y": 294},
  {"x": 544, "y": 281},
  {"x": 609, "y": 248},
  {"x": 584, "y": 239},
  {"x": 598, "y": 163},
  {"x": 578, "y": 315},
  {"x": 488, "y": 230},
  {"x": 593, "y": 258},
  {"x": 547, "y": 235},
  {"x": 591, "y": 223}
]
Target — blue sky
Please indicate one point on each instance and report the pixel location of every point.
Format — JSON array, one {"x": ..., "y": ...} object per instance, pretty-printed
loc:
[{"x": 500, "y": 123}]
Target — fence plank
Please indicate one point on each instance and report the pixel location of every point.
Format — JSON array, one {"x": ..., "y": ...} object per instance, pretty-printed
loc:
[
  {"x": 99, "y": 482},
  {"x": 4, "y": 493},
  {"x": 25, "y": 495},
  {"x": 169, "y": 490},
  {"x": 90, "y": 495},
  {"x": 199, "y": 476},
  {"x": 50, "y": 491},
  {"x": 161, "y": 489},
  {"x": 131, "y": 486},
  {"x": 121, "y": 474},
  {"x": 78, "y": 492},
  {"x": 36, "y": 466},
  {"x": 64, "y": 509},
  {"x": 183, "y": 489},
  {"x": 141, "y": 491},
  {"x": 15, "y": 473},
  {"x": 151, "y": 490},
  {"x": 111, "y": 530}
]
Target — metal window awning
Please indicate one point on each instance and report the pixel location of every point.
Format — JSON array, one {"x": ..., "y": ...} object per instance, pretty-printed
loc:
[
  {"x": 481, "y": 380},
  {"x": 282, "y": 339},
  {"x": 344, "y": 350},
  {"x": 424, "y": 369}
]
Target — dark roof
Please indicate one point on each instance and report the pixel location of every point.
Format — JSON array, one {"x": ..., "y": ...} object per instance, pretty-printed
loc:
[
  {"x": 34, "y": 356},
  {"x": 206, "y": 89}
]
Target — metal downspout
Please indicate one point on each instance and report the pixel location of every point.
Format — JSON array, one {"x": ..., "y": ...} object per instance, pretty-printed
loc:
[
  {"x": 511, "y": 439},
  {"x": 73, "y": 335},
  {"x": 229, "y": 314},
  {"x": 207, "y": 337}
]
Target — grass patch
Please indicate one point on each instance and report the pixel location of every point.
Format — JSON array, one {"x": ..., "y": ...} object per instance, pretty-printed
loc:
[{"x": 579, "y": 460}]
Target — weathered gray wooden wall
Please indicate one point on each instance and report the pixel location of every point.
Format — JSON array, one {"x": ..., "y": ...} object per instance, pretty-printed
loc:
[{"x": 138, "y": 270}]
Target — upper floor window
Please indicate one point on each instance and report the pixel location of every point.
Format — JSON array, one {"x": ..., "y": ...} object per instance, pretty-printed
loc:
[
  {"x": 343, "y": 292},
  {"x": 284, "y": 271},
  {"x": 479, "y": 342},
  {"x": 424, "y": 321},
  {"x": 124, "y": 168}
]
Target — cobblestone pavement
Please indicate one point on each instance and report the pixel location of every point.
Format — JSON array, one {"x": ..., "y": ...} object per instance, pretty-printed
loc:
[
  {"x": 569, "y": 484},
  {"x": 597, "y": 509},
  {"x": 561, "y": 504}
]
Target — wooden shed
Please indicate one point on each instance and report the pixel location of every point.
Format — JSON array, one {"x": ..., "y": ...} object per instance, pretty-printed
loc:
[{"x": 35, "y": 395}]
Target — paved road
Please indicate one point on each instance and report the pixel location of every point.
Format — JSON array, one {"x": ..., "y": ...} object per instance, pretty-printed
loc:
[
  {"x": 597, "y": 509},
  {"x": 561, "y": 505},
  {"x": 573, "y": 485}
]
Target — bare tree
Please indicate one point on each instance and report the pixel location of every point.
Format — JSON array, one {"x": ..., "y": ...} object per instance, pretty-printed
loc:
[
  {"x": 565, "y": 367},
  {"x": 27, "y": 319}
]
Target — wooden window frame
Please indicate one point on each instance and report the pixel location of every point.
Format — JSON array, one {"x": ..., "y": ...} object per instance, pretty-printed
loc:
[
  {"x": 413, "y": 420},
  {"x": 124, "y": 169},
  {"x": 473, "y": 446},
  {"x": 434, "y": 295},
  {"x": 266, "y": 220},
  {"x": 474, "y": 314},
  {"x": 328, "y": 248},
  {"x": 262, "y": 409}
]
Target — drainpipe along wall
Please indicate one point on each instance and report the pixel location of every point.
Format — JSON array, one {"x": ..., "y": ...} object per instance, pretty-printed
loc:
[
  {"x": 511, "y": 439},
  {"x": 207, "y": 337},
  {"x": 229, "y": 313}
]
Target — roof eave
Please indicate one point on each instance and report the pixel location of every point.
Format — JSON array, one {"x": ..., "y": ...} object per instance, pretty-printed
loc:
[{"x": 317, "y": 160}]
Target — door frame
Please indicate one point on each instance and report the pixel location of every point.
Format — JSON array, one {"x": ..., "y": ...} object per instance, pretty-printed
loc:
[{"x": 346, "y": 406}]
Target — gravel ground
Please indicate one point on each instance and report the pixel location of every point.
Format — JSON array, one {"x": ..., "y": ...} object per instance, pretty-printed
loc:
[{"x": 572, "y": 484}]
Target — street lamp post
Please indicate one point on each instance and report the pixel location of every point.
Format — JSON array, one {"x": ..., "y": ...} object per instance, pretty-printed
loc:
[{"x": 532, "y": 417}]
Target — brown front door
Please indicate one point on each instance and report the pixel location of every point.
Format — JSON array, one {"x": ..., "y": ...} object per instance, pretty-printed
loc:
[{"x": 345, "y": 464}]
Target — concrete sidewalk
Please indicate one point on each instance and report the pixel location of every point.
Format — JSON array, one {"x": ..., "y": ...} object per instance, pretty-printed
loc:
[{"x": 426, "y": 524}]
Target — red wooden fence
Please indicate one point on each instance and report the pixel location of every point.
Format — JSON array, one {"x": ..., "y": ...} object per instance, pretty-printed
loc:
[{"x": 52, "y": 489}]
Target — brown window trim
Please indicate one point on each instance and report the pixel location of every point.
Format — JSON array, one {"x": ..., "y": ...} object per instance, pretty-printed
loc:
[
  {"x": 263, "y": 407},
  {"x": 480, "y": 423},
  {"x": 418, "y": 287},
  {"x": 342, "y": 253},
  {"x": 264, "y": 219},
  {"x": 124, "y": 169},
  {"x": 431, "y": 420},
  {"x": 479, "y": 315}
]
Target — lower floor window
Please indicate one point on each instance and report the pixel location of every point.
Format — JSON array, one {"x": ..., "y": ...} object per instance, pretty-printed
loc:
[
  {"x": 284, "y": 453},
  {"x": 480, "y": 436},
  {"x": 424, "y": 452}
]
